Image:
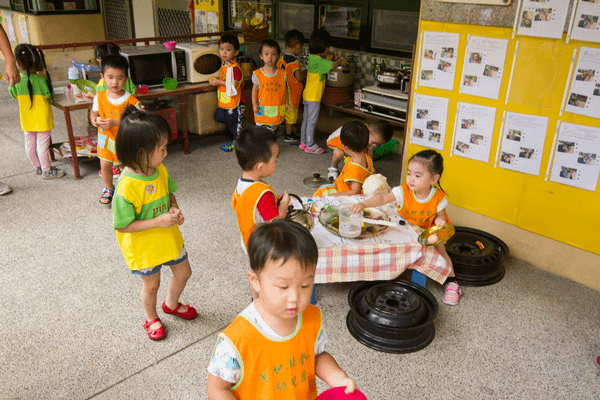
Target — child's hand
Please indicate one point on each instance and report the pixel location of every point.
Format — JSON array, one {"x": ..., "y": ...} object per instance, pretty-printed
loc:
[
  {"x": 167, "y": 220},
  {"x": 344, "y": 62},
  {"x": 89, "y": 95},
  {"x": 94, "y": 121},
  {"x": 213, "y": 81},
  {"x": 179, "y": 215},
  {"x": 255, "y": 108},
  {"x": 288, "y": 108},
  {"x": 285, "y": 199},
  {"x": 356, "y": 208},
  {"x": 439, "y": 221},
  {"x": 350, "y": 385}
]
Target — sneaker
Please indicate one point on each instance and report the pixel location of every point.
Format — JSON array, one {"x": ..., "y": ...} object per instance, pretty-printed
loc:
[
  {"x": 116, "y": 171},
  {"x": 302, "y": 146},
  {"x": 53, "y": 173},
  {"x": 314, "y": 149},
  {"x": 228, "y": 147},
  {"x": 291, "y": 139},
  {"x": 332, "y": 173},
  {"x": 452, "y": 294},
  {"x": 38, "y": 170}
]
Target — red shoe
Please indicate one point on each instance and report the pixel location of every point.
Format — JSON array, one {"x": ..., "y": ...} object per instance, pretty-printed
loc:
[
  {"x": 189, "y": 314},
  {"x": 154, "y": 334}
]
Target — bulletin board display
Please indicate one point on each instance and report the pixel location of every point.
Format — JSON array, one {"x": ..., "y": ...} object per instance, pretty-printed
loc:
[{"x": 532, "y": 84}]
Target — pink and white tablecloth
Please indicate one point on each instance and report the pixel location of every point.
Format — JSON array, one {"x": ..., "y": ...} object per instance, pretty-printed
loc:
[{"x": 383, "y": 257}]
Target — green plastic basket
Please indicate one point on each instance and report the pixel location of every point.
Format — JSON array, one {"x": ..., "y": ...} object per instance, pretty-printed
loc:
[{"x": 385, "y": 150}]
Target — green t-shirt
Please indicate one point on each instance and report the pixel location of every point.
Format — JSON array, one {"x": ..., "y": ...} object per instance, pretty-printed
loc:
[{"x": 317, "y": 71}]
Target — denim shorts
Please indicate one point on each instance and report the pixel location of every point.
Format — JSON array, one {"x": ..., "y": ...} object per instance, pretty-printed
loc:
[{"x": 153, "y": 270}]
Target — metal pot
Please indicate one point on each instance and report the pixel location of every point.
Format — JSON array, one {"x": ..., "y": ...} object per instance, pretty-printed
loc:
[
  {"x": 341, "y": 76},
  {"x": 390, "y": 76},
  {"x": 302, "y": 216}
]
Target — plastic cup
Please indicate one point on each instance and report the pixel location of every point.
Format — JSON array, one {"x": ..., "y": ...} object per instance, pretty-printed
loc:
[{"x": 350, "y": 223}]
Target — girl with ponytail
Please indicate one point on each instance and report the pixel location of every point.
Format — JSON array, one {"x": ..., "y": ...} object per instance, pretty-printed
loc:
[{"x": 34, "y": 94}]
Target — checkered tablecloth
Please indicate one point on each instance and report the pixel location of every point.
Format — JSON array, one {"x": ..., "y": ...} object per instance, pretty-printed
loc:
[{"x": 378, "y": 258}]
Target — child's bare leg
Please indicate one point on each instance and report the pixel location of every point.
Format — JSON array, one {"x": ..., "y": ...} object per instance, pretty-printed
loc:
[
  {"x": 288, "y": 129},
  {"x": 181, "y": 274},
  {"x": 442, "y": 250},
  {"x": 150, "y": 285},
  {"x": 107, "y": 175},
  {"x": 338, "y": 155}
]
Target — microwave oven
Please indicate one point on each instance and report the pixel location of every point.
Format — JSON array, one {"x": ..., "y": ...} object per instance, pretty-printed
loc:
[
  {"x": 149, "y": 65},
  {"x": 202, "y": 60}
]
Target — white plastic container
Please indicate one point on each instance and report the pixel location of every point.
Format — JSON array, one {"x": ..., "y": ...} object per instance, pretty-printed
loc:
[{"x": 350, "y": 223}]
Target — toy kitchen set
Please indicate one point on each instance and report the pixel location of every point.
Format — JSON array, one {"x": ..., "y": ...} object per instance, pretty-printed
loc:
[{"x": 389, "y": 97}]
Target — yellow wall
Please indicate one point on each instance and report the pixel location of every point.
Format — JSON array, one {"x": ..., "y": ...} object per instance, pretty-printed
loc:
[
  {"x": 521, "y": 206},
  {"x": 61, "y": 28}
]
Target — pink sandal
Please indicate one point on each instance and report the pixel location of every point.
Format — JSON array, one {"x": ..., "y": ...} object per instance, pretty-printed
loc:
[
  {"x": 154, "y": 334},
  {"x": 189, "y": 314}
]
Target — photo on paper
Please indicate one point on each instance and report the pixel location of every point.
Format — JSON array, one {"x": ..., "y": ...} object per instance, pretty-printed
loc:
[
  {"x": 543, "y": 14},
  {"x": 585, "y": 75},
  {"x": 470, "y": 80},
  {"x": 444, "y": 66},
  {"x": 587, "y": 158},
  {"x": 462, "y": 147},
  {"x": 422, "y": 114},
  {"x": 566, "y": 147},
  {"x": 417, "y": 133},
  {"x": 476, "y": 139},
  {"x": 577, "y": 100},
  {"x": 597, "y": 90},
  {"x": 433, "y": 125},
  {"x": 507, "y": 158},
  {"x": 475, "y": 58},
  {"x": 591, "y": 1},
  {"x": 527, "y": 19},
  {"x": 447, "y": 52},
  {"x": 491, "y": 71},
  {"x": 526, "y": 153},
  {"x": 588, "y": 22},
  {"x": 435, "y": 137},
  {"x": 427, "y": 75},
  {"x": 467, "y": 124},
  {"x": 566, "y": 172},
  {"x": 514, "y": 134},
  {"x": 429, "y": 54}
]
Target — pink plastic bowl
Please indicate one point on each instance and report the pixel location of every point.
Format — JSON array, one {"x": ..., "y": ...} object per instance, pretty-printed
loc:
[
  {"x": 170, "y": 45},
  {"x": 142, "y": 89},
  {"x": 337, "y": 393}
]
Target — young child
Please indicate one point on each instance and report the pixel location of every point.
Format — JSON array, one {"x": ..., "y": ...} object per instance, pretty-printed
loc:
[
  {"x": 293, "y": 80},
  {"x": 380, "y": 132},
  {"x": 355, "y": 140},
  {"x": 422, "y": 204},
  {"x": 319, "y": 65},
  {"x": 276, "y": 346},
  {"x": 34, "y": 96},
  {"x": 146, "y": 215},
  {"x": 105, "y": 115},
  {"x": 253, "y": 200},
  {"x": 269, "y": 93},
  {"x": 230, "y": 91},
  {"x": 109, "y": 49}
]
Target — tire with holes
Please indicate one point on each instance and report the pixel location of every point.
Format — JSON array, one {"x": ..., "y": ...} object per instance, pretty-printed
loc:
[
  {"x": 477, "y": 257},
  {"x": 392, "y": 316}
]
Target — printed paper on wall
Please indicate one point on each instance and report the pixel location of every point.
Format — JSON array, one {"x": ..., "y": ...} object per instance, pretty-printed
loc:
[
  {"x": 483, "y": 67},
  {"x": 473, "y": 132},
  {"x": 586, "y": 25},
  {"x": 544, "y": 18},
  {"x": 438, "y": 60},
  {"x": 428, "y": 122},
  {"x": 584, "y": 94},
  {"x": 523, "y": 139}
]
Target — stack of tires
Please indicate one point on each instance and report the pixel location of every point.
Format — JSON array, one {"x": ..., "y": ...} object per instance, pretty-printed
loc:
[{"x": 477, "y": 257}]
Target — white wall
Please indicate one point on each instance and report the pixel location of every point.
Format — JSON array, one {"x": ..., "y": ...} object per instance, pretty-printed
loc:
[{"x": 143, "y": 18}]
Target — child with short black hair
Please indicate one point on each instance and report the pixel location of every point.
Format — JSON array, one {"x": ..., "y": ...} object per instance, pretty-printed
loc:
[
  {"x": 106, "y": 116},
  {"x": 34, "y": 94},
  {"x": 269, "y": 92},
  {"x": 254, "y": 200},
  {"x": 109, "y": 49},
  {"x": 146, "y": 216},
  {"x": 355, "y": 140},
  {"x": 422, "y": 202},
  {"x": 230, "y": 91},
  {"x": 275, "y": 348},
  {"x": 294, "y": 40},
  {"x": 380, "y": 132},
  {"x": 319, "y": 64}
]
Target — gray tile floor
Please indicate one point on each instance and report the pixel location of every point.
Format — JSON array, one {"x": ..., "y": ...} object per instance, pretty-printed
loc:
[{"x": 72, "y": 319}]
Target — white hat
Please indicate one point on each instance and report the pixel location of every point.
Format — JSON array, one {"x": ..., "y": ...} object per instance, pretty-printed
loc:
[{"x": 376, "y": 184}]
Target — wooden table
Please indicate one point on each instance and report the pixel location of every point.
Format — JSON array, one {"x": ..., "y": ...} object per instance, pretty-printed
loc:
[
  {"x": 348, "y": 108},
  {"x": 182, "y": 90}
]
